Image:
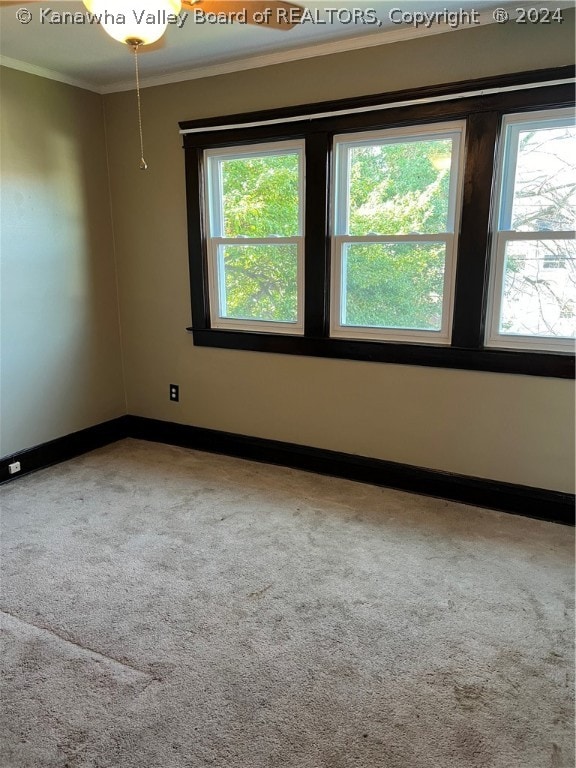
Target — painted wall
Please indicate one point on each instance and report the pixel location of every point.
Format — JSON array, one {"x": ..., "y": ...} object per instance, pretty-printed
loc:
[
  {"x": 512, "y": 428},
  {"x": 60, "y": 343}
]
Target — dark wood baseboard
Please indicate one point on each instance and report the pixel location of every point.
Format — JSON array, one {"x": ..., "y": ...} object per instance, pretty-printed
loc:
[
  {"x": 63, "y": 448},
  {"x": 539, "y": 503}
]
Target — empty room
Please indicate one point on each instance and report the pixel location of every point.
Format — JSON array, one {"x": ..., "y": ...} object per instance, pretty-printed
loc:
[{"x": 288, "y": 314}]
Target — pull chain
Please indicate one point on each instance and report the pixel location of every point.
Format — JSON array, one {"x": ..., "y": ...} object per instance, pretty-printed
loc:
[{"x": 135, "y": 45}]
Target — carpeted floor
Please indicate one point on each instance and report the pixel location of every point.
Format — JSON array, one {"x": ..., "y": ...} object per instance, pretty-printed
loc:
[{"x": 165, "y": 608}]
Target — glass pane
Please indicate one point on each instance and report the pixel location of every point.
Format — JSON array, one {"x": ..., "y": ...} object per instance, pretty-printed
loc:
[
  {"x": 259, "y": 282},
  {"x": 539, "y": 292},
  {"x": 394, "y": 285},
  {"x": 260, "y": 196},
  {"x": 400, "y": 187},
  {"x": 545, "y": 182}
]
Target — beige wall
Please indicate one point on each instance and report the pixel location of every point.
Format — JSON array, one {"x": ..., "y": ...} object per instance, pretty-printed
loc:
[
  {"x": 513, "y": 428},
  {"x": 60, "y": 347}
]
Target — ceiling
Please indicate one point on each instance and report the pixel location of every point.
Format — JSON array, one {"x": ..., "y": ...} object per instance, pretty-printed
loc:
[{"x": 83, "y": 54}]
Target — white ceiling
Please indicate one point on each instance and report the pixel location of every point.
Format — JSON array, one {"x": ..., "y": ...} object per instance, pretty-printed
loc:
[{"x": 85, "y": 55}]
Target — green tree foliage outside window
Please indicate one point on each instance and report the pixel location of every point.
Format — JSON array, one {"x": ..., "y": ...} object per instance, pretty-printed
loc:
[
  {"x": 260, "y": 200},
  {"x": 260, "y": 282},
  {"x": 395, "y": 188}
]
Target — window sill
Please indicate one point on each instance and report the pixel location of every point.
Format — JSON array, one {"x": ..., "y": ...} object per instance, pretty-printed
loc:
[{"x": 527, "y": 363}]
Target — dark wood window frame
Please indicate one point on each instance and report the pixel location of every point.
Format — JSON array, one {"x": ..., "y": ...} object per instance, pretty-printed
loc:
[{"x": 483, "y": 114}]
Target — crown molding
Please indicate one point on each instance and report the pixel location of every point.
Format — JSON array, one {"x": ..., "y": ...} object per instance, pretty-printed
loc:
[
  {"x": 384, "y": 37},
  {"x": 33, "y": 69},
  {"x": 282, "y": 57}
]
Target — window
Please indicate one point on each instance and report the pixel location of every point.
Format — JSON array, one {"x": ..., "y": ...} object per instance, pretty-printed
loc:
[
  {"x": 426, "y": 227},
  {"x": 396, "y": 204},
  {"x": 533, "y": 281},
  {"x": 254, "y": 211}
]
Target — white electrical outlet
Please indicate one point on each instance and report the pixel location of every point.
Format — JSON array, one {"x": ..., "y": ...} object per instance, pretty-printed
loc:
[{"x": 14, "y": 467}]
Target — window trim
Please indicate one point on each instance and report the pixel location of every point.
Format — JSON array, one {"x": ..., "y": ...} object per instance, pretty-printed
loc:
[
  {"x": 482, "y": 112},
  {"x": 503, "y": 198}
]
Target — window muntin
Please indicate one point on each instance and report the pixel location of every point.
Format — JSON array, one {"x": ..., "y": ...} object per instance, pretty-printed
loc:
[
  {"x": 396, "y": 204},
  {"x": 255, "y": 244},
  {"x": 532, "y": 297}
]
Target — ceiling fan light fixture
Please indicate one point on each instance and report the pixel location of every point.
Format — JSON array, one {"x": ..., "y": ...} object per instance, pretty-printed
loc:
[{"x": 142, "y": 20}]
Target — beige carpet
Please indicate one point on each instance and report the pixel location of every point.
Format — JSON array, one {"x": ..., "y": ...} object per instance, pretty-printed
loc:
[{"x": 165, "y": 608}]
